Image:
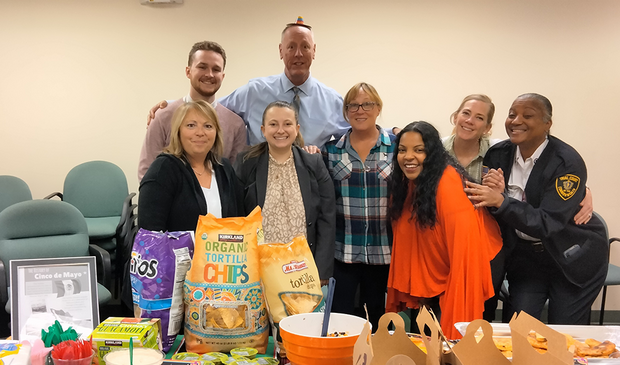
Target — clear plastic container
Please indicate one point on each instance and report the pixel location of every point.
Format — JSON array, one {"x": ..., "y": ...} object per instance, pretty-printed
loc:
[
  {"x": 141, "y": 356},
  {"x": 84, "y": 361}
]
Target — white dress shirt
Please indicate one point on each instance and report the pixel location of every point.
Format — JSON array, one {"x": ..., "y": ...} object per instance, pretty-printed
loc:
[
  {"x": 519, "y": 174},
  {"x": 320, "y": 116},
  {"x": 212, "y": 197}
]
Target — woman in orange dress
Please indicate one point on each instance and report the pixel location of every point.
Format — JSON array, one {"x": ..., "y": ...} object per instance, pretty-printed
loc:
[{"x": 442, "y": 245}]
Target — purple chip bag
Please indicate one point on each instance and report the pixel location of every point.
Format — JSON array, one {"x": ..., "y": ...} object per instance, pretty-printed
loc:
[{"x": 159, "y": 262}]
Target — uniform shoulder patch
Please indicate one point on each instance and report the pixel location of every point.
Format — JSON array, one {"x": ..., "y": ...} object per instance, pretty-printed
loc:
[{"x": 567, "y": 185}]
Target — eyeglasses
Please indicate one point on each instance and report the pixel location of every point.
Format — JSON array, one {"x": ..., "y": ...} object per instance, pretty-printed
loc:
[{"x": 367, "y": 106}]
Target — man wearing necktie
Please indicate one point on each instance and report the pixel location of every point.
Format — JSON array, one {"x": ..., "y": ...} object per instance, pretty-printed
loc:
[{"x": 319, "y": 106}]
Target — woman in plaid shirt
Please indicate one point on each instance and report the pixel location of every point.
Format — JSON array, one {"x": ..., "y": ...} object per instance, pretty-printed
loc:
[{"x": 360, "y": 163}]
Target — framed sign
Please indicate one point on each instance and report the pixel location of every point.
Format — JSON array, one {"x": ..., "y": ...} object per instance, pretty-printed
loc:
[{"x": 47, "y": 290}]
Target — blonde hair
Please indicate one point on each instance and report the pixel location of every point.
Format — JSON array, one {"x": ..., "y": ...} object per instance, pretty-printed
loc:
[
  {"x": 355, "y": 90},
  {"x": 478, "y": 97},
  {"x": 206, "y": 110}
]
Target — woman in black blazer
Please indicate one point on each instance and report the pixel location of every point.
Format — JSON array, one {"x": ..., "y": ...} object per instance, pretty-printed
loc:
[
  {"x": 548, "y": 255},
  {"x": 292, "y": 187},
  {"x": 190, "y": 178}
]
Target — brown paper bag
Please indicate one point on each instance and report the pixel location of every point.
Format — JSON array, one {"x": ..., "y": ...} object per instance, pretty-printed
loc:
[
  {"x": 362, "y": 350},
  {"x": 433, "y": 343},
  {"x": 386, "y": 345},
  {"x": 471, "y": 352},
  {"x": 524, "y": 354}
]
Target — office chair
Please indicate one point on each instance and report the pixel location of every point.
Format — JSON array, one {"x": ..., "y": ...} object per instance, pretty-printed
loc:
[
  {"x": 13, "y": 190},
  {"x": 46, "y": 229}
]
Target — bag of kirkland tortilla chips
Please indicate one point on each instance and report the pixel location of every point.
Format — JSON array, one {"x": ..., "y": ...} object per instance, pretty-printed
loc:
[
  {"x": 224, "y": 305},
  {"x": 291, "y": 282},
  {"x": 159, "y": 262}
]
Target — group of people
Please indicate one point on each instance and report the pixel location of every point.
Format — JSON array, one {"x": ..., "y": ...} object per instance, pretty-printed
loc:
[{"x": 424, "y": 219}]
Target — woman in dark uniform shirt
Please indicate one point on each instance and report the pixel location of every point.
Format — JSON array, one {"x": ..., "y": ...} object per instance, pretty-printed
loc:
[{"x": 548, "y": 255}]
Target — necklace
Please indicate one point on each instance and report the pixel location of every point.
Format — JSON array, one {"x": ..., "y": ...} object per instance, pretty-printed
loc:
[{"x": 200, "y": 173}]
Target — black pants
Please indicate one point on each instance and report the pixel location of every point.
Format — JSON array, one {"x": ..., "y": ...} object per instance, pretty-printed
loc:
[
  {"x": 372, "y": 280},
  {"x": 534, "y": 277},
  {"x": 498, "y": 273}
]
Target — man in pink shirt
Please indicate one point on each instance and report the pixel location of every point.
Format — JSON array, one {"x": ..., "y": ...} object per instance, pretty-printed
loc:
[{"x": 205, "y": 71}]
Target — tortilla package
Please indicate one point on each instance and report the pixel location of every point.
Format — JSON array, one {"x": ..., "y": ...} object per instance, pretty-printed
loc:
[
  {"x": 224, "y": 305},
  {"x": 290, "y": 280},
  {"x": 159, "y": 262}
]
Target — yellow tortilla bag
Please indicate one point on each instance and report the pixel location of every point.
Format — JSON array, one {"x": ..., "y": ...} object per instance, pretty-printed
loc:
[{"x": 290, "y": 278}]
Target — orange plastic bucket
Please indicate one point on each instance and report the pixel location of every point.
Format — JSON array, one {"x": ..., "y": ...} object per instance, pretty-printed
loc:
[{"x": 301, "y": 338}]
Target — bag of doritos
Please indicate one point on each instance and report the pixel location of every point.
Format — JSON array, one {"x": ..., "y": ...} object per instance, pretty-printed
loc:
[
  {"x": 224, "y": 304},
  {"x": 290, "y": 281},
  {"x": 159, "y": 262}
]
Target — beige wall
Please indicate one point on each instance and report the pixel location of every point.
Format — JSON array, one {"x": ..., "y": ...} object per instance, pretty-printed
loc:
[{"x": 78, "y": 76}]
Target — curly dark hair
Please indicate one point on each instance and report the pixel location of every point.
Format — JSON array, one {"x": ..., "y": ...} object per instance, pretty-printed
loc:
[{"x": 425, "y": 190}]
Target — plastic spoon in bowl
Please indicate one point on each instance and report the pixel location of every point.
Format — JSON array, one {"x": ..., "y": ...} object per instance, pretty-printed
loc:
[{"x": 328, "y": 306}]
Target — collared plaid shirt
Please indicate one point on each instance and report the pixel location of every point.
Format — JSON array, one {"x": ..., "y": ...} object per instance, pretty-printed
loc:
[{"x": 363, "y": 231}]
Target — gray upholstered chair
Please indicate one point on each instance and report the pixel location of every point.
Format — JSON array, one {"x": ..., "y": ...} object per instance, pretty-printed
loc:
[
  {"x": 47, "y": 229},
  {"x": 99, "y": 190}
]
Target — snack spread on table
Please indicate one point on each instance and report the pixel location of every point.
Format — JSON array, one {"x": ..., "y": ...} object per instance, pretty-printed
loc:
[
  {"x": 590, "y": 348},
  {"x": 225, "y": 309}
]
